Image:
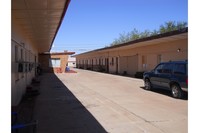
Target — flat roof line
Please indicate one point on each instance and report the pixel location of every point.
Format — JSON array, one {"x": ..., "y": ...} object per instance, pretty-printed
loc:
[{"x": 167, "y": 34}]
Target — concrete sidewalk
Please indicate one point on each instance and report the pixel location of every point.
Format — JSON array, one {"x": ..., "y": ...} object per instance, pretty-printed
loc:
[{"x": 59, "y": 111}]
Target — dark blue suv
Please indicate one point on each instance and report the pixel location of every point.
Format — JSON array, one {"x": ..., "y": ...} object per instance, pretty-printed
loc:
[{"x": 171, "y": 75}]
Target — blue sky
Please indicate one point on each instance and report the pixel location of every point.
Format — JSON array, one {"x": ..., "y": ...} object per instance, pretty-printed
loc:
[{"x": 92, "y": 24}]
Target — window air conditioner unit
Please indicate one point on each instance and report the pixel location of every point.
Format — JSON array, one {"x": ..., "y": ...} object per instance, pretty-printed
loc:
[{"x": 20, "y": 67}]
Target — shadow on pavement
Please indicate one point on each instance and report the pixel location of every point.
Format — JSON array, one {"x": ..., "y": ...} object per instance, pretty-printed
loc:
[
  {"x": 59, "y": 111},
  {"x": 165, "y": 92}
]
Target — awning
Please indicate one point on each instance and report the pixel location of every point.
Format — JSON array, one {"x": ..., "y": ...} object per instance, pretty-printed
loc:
[{"x": 39, "y": 20}]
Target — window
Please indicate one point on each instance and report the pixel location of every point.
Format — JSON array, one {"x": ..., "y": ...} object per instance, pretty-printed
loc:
[
  {"x": 159, "y": 59},
  {"x": 167, "y": 68},
  {"x": 159, "y": 68},
  {"x": 54, "y": 62},
  {"x": 21, "y": 66},
  {"x": 22, "y": 54},
  {"x": 16, "y": 53},
  {"x": 16, "y": 64},
  {"x": 179, "y": 69},
  {"x": 112, "y": 61},
  {"x": 144, "y": 60}
]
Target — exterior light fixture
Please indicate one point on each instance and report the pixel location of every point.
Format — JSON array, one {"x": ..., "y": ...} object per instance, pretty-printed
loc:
[{"x": 178, "y": 50}]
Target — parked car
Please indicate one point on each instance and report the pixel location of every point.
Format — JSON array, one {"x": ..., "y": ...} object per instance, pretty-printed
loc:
[{"x": 171, "y": 75}]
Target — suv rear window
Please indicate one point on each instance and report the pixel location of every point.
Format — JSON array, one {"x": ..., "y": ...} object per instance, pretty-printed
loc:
[{"x": 179, "y": 69}]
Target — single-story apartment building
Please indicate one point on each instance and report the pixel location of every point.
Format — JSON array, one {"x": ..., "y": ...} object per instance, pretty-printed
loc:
[
  {"x": 54, "y": 62},
  {"x": 138, "y": 55}
]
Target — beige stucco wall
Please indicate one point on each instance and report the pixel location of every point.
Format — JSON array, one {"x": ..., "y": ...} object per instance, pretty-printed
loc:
[
  {"x": 26, "y": 53},
  {"x": 168, "y": 52},
  {"x": 145, "y": 57}
]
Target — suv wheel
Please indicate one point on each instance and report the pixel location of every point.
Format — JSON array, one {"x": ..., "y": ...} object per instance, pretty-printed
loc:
[
  {"x": 147, "y": 84},
  {"x": 176, "y": 91}
]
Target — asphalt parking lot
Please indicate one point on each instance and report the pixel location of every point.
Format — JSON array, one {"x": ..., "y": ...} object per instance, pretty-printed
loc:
[{"x": 99, "y": 102}]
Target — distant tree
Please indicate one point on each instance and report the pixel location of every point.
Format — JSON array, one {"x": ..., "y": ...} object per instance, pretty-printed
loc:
[
  {"x": 115, "y": 42},
  {"x": 135, "y": 34},
  {"x": 162, "y": 29},
  {"x": 167, "y": 27},
  {"x": 171, "y": 26},
  {"x": 181, "y": 25},
  {"x": 154, "y": 32},
  {"x": 144, "y": 34},
  {"x": 122, "y": 39}
]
